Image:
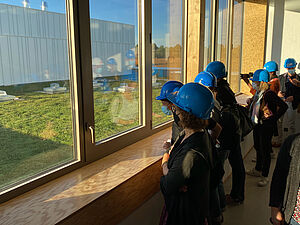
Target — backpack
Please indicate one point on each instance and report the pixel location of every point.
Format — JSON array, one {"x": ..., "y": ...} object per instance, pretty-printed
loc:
[{"x": 243, "y": 124}]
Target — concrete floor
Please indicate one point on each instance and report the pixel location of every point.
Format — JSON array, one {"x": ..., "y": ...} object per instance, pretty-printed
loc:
[{"x": 255, "y": 209}]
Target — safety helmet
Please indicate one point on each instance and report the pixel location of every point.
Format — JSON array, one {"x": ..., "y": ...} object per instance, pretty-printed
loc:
[
  {"x": 194, "y": 98},
  {"x": 130, "y": 54},
  {"x": 111, "y": 61},
  {"x": 271, "y": 66},
  {"x": 217, "y": 68},
  {"x": 290, "y": 63},
  {"x": 261, "y": 75},
  {"x": 207, "y": 79},
  {"x": 168, "y": 88}
]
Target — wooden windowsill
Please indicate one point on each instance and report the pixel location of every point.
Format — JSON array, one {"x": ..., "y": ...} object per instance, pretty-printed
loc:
[{"x": 103, "y": 192}]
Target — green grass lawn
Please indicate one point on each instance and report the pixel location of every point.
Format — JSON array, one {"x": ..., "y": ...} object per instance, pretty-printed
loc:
[{"x": 36, "y": 131}]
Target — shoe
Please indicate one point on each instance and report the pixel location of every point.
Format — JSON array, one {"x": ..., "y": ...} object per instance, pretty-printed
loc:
[
  {"x": 263, "y": 182},
  {"x": 233, "y": 201},
  {"x": 253, "y": 172},
  {"x": 273, "y": 155}
]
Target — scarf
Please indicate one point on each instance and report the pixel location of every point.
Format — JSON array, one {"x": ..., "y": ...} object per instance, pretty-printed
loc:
[{"x": 255, "y": 106}]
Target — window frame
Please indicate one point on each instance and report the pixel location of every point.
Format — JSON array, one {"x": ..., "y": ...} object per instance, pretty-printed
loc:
[
  {"x": 80, "y": 62},
  {"x": 229, "y": 35},
  {"x": 231, "y": 41},
  {"x": 30, "y": 183}
]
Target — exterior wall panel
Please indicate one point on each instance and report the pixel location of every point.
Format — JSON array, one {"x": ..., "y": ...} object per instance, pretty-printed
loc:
[{"x": 33, "y": 44}]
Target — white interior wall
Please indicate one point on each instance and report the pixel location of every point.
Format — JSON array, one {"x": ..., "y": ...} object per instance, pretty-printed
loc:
[
  {"x": 283, "y": 34},
  {"x": 291, "y": 38}
]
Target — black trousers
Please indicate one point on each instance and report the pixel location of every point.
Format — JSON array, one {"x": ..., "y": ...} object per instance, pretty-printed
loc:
[
  {"x": 238, "y": 170},
  {"x": 262, "y": 136}
]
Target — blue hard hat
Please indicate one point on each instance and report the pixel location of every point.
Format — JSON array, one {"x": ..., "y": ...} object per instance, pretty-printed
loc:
[
  {"x": 168, "y": 88},
  {"x": 290, "y": 63},
  {"x": 195, "y": 99},
  {"x": 271, "y": 66},
  {"x": 261, "y": 75},
  {"x": 207, "y": 79},
  {"x": 112, "y": 61},
  {"x": 130, "y": 54},
  {"x": 217, "y": 68}
]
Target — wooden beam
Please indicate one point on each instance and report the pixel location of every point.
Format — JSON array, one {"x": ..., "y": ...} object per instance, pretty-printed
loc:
[{"x": 195, "y": 38}]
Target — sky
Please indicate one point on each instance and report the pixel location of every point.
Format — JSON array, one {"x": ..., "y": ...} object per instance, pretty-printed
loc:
[{"x": 122, "y": 11}]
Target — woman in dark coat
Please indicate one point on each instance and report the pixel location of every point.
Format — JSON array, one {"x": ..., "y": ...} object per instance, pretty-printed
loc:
[
  {"x": 186, "y": 168},
  {"x": 266, "y": 108}
]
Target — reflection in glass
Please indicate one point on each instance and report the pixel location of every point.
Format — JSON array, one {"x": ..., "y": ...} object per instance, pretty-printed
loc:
[
  {"x": 222, "y": 32},
  {"x": 235, "y": 68},
  {"x": 207, "y": 34},
  {"x": 114, "y": 39},
  {"x": 167, "y": 50},
  {"x": 36, "y": 118}
]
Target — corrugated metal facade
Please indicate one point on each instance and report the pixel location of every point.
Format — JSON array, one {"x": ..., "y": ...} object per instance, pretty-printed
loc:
[{"x": 33, "y": 44}]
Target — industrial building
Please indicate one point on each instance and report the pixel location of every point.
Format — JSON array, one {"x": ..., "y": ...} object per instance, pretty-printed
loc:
[{"x": 91, "y": 153}]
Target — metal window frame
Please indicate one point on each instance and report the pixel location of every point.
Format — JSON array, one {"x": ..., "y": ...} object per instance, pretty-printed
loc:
[
  {"x": 77, "y": 112},
  {"x": 183, "y": 57},
  {"x": 231, "y": 42},
  {"x": 79, "y": 49},
  {"x": 112, "y": 144},
  {"x": 229, "y": 35}
]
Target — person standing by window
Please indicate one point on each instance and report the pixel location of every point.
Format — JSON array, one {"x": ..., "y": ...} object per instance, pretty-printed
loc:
[
  {"x": 226, "y": 97},
  {"x": 186, "y": 167}
]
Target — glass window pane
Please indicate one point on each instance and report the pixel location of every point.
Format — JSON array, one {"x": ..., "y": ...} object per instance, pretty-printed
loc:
[
  {"x": 35, "y": 109},
  {"x": 222, "y": 32},
  {"x": 235, "y": 68},
  {"x": 114, "y": 40},
  {"x": 207, "y": 34},
  {"x": 167, "y": 50}
]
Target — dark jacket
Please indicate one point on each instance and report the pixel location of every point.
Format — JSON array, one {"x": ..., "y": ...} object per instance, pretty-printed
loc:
[
  {"x": 290, "y": 89},
  {"x": 230, "y": 135},
  {"x": 191, "y": 170},
  {"x": 229, "y": 119},
  {"x": 280, "y": 177},
  {"x": 224, "y": 93},
  {"x": 275, "y": 104}
]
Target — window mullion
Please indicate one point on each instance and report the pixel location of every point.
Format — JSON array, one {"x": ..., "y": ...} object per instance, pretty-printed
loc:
[{"x": 146, "y": 49}]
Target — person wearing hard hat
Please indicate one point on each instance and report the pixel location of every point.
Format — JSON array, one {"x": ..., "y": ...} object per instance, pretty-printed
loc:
[
  {"x": 272, "y": 68},
  {"x": 226, "y": 97},
  {"x": 266, "y": 108},
  {"x": 224, "y": 93},
  {"x": 168, "y": 88},
  {"x": 186, "y": 168},
  {"x": 217, "y": 195},
  {"x": 210, "y": 81},
  {"x": 290, "y": 92}
]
